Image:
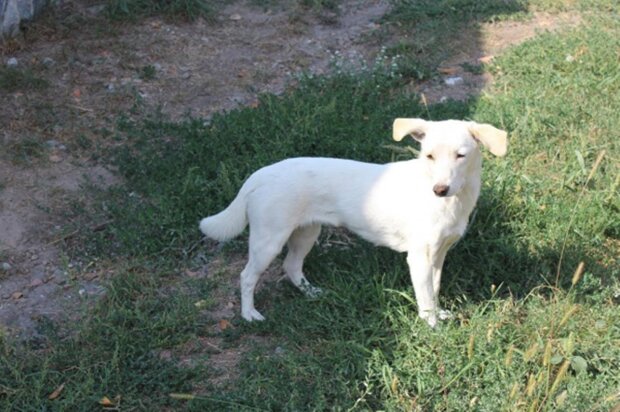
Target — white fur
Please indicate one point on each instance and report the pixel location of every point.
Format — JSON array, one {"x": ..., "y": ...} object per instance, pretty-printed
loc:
[{"x": 393, "y": 205}]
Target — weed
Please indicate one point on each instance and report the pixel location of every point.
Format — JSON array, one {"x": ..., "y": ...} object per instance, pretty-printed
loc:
[
  {"x": 473, "y": 68},
  {"x": 25, "y": 151},
  {"x": 147, "y": 72},
  {"x": 184, "y": 9},
  {"x": 14, "y": 79}
]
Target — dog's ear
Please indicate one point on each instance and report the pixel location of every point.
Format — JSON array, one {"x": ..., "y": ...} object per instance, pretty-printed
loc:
[
  {"x": 414, "y": 127},
  {"x": 495, "y": 140}
]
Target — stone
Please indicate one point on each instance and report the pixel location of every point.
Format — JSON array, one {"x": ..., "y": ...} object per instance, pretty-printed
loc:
[
  {"x": 12, "y": 62},
  {"x": 453, "y": 81},
  {"x": 14, "y": 12},
  {"x": 35, "y": 283}
]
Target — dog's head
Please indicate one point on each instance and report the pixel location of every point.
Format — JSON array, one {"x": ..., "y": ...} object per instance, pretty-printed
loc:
[{"x": 449, "y": 149}]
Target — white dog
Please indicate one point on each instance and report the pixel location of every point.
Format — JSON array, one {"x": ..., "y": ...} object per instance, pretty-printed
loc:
[{"x": 419, "y": 206}]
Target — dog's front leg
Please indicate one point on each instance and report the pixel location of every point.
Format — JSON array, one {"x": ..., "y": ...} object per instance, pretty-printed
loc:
[
  {"x": 438, "y": 261},
  {"x": 421, "y": 272}
]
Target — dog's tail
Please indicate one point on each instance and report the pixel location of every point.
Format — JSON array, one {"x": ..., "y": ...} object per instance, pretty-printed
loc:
[{"x": 229, "y": 222}]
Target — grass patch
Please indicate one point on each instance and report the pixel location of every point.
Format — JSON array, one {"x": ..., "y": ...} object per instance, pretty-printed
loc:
[
  {"x": 115, "y": 351},
  {"x": 13, "y": 80},
  {"x": 174, "y": 9},
  {"x": 524, "y": 335},
  {"x": 25, "y": 151},
  {"x": 433, "y": 31}
]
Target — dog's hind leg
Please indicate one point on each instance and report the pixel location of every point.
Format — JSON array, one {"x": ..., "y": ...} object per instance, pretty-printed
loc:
[
  {"x": 299, "y": 245},
  {"x": 263, "y": 249}
]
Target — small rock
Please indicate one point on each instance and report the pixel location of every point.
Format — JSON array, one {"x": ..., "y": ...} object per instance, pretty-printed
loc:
[
  {"x": 35, "y": 283},
  {"x": 165, "y": 354},
  {"x": 6, "y": 266},
  {"x": 235, "y": 17},
  {"x": 48, "y": 62},
  {"x": 279, "y": 351},
  {"x": 453, "y": 81},
  {"x": 34, "y": 257},
  {"x": 17, "y": 295},
  {"x": 90, "y": 276},
  {"x": 96, "y": 9},
  {"x": 12, "y": 62},
  {"x": 54, "y": 158},
  {"x": 52, "y": 144}
]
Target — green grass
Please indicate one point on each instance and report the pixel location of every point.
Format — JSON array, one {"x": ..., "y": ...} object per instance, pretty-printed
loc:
[
  {"x": 114, "y": 351},
  {"x": 528, "y": 334},
  {"x": 173, "y": 9},
  {"x": 24, "y": 151},
  {"x": 431, "y": 31},
  {"x": 20, "y": 80}
]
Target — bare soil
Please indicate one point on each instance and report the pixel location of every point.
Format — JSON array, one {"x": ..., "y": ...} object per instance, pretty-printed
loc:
[{"x": 95, "y": 73}]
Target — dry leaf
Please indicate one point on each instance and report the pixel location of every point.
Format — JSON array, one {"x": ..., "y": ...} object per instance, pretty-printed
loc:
[
  {"x": 77, "y": 93},
  {"x": 35, "y": 283},
  {"x": 17, "y": 295},
  {"x": 191, "y": 273},
  {"x": 485, "y": 59},
  {"x": 183, "y": 396},
  {"x": 107, "y": 403},
  {"x": 224, "y": 324},
  {"x": 447, "y": 70},
  {"x": 56, "y": 392}
]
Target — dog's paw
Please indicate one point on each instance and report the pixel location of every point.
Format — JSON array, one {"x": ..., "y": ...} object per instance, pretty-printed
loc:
[
  {"x": 429, "y": 317},
  {"x": 312, "y": 292},
  {"x": 445, "y": 315},
  {"x": 251, "y": 315},
  {"x": 309, "y": 290}
]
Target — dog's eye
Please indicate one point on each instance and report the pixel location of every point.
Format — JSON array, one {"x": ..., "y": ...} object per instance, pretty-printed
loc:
[
  {"x": 460, "y": 156},
  {"x": 430, "y": 157}
]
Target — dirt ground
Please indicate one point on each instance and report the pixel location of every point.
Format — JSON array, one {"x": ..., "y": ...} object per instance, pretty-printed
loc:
[{"x": 93, "y": 75}]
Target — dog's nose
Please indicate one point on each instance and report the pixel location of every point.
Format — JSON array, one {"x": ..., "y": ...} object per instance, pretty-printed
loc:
[{"x": 441, "y": 190}]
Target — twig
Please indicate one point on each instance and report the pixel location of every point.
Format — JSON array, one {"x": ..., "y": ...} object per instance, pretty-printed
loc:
[{"x": 96, "y": 228}]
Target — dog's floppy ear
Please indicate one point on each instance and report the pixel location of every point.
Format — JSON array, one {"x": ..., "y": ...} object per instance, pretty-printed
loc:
[
  {"x": 414, "y": 127},
  {"x": 495, "y": 140}
]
